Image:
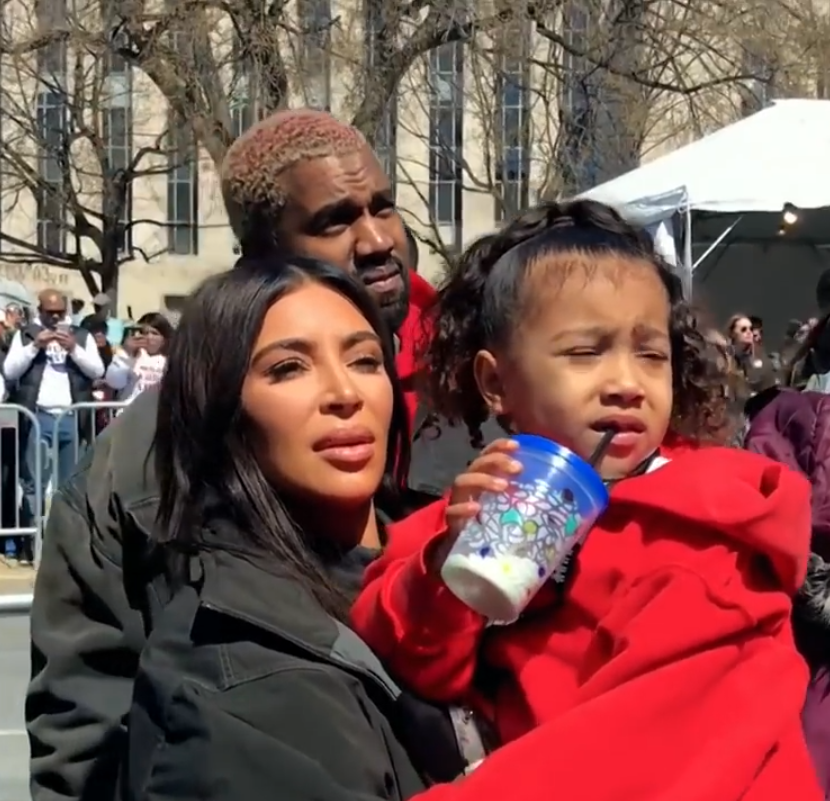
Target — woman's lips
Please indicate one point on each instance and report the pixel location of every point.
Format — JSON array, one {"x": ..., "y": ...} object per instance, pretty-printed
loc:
[{"x": 349, "y": 455}]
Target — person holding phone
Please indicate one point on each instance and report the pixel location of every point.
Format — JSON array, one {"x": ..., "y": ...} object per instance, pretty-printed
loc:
[
  {"x": 142, "y": 358},
  {"x": 50, "y": 366}
]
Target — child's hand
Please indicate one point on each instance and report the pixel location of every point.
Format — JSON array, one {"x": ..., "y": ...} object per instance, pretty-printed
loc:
[{"x": 485, "y": 474}]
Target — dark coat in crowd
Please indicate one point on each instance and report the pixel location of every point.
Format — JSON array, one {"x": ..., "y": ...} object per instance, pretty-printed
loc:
[{"x": 794, "y": 429}]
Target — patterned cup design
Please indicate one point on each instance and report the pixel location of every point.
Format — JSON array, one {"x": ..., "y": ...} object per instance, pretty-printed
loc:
[{"x": 533, "y": 520}]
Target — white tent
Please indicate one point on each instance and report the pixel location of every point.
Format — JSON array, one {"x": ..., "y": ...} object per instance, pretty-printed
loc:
[
  {"x": 731, "y": 187},
  {"x": 755, "y": 165}
]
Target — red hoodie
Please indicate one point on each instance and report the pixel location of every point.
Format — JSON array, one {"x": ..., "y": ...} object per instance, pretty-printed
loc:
[
  {"x": 667, "y": 673},
  {"x": 410, "y": 335}
]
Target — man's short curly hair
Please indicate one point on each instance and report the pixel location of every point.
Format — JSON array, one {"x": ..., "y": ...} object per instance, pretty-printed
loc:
[{"x": 251, "y": 172}]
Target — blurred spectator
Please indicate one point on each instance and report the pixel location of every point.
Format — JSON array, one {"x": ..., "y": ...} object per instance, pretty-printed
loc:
[
  {"x": 14, "y": 316},
  {"x": 810, "y": 365},
  {"x": 77, "y": 307},
  {"x": 102, "y": 304},
  {"x": 140, "y": 362},
  {"x": 757, "y": 329},
  {"x": 52, "y": 365},
  {"x": 759, "y": 371},
  {"x": 101, "y": 391}
]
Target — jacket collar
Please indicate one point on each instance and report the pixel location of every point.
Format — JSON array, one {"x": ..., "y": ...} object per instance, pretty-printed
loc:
[{"x": 254, "y": 589}]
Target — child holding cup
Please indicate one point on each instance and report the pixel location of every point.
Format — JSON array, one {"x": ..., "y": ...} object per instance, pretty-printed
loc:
[{"x": 650, "y": 655}]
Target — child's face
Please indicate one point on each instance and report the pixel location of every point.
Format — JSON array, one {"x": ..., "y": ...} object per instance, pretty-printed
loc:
[{"x": 593, "y": 349}]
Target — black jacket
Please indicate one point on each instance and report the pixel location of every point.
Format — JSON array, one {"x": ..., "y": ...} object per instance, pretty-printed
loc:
[
  {"x": 98, "y": 592},
  {"x": 248, "y": 690},
  {"x": 90, "y": 615}
]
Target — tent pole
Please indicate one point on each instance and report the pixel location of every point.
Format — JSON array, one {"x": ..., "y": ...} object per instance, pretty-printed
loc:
[
  {"x": 716, "y": 243},
  {"x": 688, "y": 268}
]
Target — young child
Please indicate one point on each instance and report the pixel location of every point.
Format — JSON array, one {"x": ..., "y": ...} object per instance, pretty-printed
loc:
[{"x": 663, "y": 668}]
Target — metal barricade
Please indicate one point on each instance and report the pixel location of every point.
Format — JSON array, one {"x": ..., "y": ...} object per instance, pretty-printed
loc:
[
  {"x": 41, "y": 463},
  {"x": 21, "y": 493},
  {"x": 85, "y": 422}
]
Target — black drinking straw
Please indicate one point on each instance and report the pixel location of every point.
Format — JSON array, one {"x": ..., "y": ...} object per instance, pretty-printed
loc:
[{"x": 602, "y": 447}]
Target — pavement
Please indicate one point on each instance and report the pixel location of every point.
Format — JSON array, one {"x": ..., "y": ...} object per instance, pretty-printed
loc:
[
  {"x": 14, "y": 675},
  {"x": 15, "y": 579}
]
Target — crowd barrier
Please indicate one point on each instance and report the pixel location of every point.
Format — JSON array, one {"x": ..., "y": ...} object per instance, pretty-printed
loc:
[{"x": 37, "y": 453}]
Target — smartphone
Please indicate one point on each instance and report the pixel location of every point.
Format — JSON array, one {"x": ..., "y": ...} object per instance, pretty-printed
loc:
[{"x": 63, "y": 328}]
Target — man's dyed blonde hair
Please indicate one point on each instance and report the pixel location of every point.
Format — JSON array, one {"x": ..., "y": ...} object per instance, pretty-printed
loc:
[{"x": 253, "y": 167}]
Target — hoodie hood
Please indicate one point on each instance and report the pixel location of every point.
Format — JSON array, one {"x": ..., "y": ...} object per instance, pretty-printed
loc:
[{"x": 746, "y": 498}]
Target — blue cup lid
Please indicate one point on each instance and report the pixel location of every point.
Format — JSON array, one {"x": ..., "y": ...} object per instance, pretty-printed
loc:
[{"x": 547, "y": 448}]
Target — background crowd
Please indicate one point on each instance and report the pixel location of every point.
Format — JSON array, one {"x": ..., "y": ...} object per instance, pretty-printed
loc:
[{"x": 52, "y": 362}]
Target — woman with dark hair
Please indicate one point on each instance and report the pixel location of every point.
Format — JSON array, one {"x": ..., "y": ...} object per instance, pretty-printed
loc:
[
  {"x": 140, "y": 362},
  {"x": 279, "y": 454}
]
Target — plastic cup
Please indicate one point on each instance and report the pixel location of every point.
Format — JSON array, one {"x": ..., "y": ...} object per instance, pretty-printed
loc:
[{"x": 525, "y": 535}]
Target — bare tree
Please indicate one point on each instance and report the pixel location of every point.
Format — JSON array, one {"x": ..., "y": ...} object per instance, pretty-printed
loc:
[
  {"x": 557, "y": 94},
  {"x": 566, "y": 94},
  {"x": 180, "y": 50},
  {"x": 70, "y": 158},
  {"x": 216, "y": 64}
]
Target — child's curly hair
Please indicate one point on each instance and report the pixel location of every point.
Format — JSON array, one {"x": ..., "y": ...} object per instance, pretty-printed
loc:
[{"x": 478, "y": 308}]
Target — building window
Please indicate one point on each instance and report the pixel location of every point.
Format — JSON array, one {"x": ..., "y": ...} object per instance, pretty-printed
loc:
[
  {"x": 315, "y": 62},
  {"x": 378, "y": 38},
  {"x": 182, "y": 192},
  {"x": 117, "y": 135},
  {"x": 52, "y": 131},
  {"x": 513, "y": 122},
  {"x": 51, "y": 59},
  {"x": 578, "y": 160},
  {"x": 52, "y": 169},
  {"x": 758, "y": 91},
  {"x": 446, "y": 136},
  {"x": 242, "y": 95}
]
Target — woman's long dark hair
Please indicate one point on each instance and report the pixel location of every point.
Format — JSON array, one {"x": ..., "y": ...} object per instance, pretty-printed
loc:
[{"x": 203, "y": 450}]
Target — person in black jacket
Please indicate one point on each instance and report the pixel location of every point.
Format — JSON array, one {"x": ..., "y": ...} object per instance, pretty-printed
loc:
[{"x": 273, "y": 452}]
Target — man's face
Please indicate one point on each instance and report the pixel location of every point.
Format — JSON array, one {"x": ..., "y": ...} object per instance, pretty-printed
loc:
[
  {"x": 341, "y": 210},
  {"x": 52, "y": 310}
]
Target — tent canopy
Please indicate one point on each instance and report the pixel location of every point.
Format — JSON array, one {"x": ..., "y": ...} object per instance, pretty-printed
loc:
[{"x": 757, "y": 164}]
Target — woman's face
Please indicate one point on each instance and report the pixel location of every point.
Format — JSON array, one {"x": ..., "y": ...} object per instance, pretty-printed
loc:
[
  {"x": 319, "y": 399},
  {"x": 153, "y": 340},
  {"x": 742, "y": 333}
]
